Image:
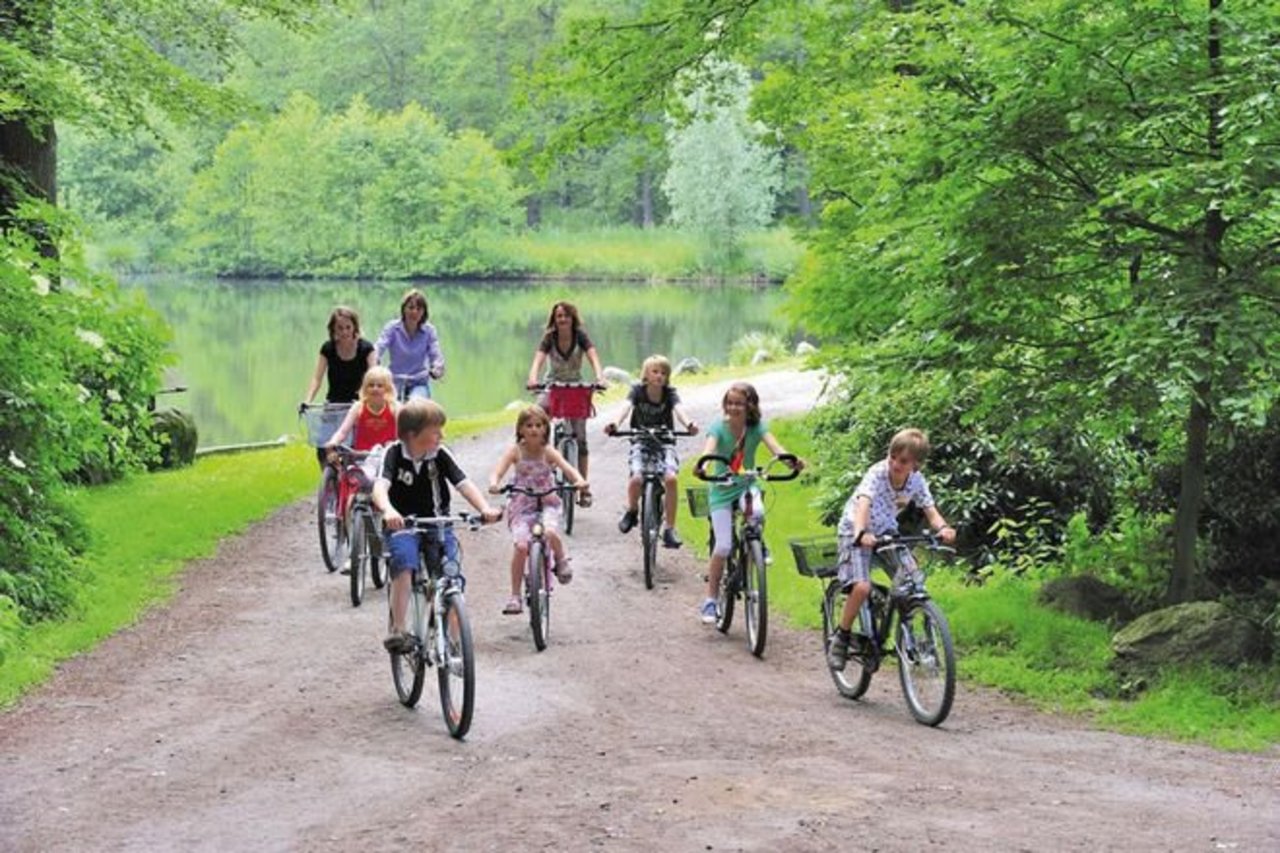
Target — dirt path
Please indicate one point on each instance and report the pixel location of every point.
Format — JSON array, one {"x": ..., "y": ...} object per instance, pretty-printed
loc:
[{"x": 257, "y": 712}]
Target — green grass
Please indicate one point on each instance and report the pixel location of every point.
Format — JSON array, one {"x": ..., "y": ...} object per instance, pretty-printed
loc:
[
  {"x": 1006, "y": 640},
  {"x": 649, "y": 254},
  {"x": 144, "y": 529}
]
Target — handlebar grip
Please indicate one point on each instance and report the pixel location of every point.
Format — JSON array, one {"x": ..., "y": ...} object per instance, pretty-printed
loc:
[{"x": 700, "y": 472}]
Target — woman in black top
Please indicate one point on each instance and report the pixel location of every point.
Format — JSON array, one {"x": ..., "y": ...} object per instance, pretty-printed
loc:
[{"x": 343, "y": 358}]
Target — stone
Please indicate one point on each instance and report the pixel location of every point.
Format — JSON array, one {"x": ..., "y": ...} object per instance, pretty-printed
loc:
[
  {"x": 616, "y": 376},
  {"x": 1087, "y": 597},
  {"x": 688, "y": 365},
  {"x": 175, "y": 431},
  {"x": 1191, "y": 633}
]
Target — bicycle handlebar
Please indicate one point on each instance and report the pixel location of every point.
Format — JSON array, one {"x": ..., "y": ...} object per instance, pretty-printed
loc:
[
  {"x": 666, "y": 436},
  {"x": 510, "y": 488},
  {"x": 472, "y": 520},
  {"x": 543, "y": 386},
  {"x": 760, "y": 472},
  {"x": 932, "y": 540}
]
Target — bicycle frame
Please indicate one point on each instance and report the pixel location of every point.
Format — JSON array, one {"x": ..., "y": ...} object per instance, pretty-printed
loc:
[
  {"x": 653, "y": 489},
  {"x": 538, "y": 583}
]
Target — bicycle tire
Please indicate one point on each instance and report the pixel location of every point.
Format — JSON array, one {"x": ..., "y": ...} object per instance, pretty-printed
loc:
[
  {"x": 568, "y": 497},
  {"x": 727, "y": 594},
  {"x": 456, "y": 673},
  {"x": 359, "y": 560},
  {"x": 926, "y": 662},
  {"x": 377, "y": 567},
  {"x": 832, "y": 606},
  {"x": 408, "y": 669},
  {"x": 327, "y": 519},
  {"x": 649, "y": 515},
  {"x": 536, "y": 594},
  {"x": 755, "y": 597}
]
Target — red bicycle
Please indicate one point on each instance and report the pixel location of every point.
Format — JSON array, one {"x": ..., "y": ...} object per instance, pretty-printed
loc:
[{"x": 567, "y": 401}]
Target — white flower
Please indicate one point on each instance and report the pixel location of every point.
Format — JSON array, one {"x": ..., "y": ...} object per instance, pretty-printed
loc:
[
  {"x": 83, "y": 395},
  {"x": 113, "y": 395},
  {"x": 93, "y": 339},
  {"x": 15, "y": 461},
  {"x": 42, "y": 284}
]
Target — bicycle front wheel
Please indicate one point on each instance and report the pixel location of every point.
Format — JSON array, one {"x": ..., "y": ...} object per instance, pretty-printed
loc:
[
  {"x": 327, "y": 520},
  {"x": 855, "y": 678},
  {"x": 378, "y": 567},
  {"x": 926, "y": 662},
  {"x": 755, "y": 597},
  {"x": 568, "y": 497},
  {"x": 727, "y": 594},
  {"x": 535, "y": 587},
  {"x": 359, "y": 561},
  {"x": 456, "y": 671},
  {"x": 408, "y": 668},
  {"x": 650, "y": 513}
]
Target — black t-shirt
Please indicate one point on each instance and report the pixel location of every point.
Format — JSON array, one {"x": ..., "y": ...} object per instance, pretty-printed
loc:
[
  {"x": 646, "y": 413},
  {"x": 345, "y": 376},
  {"x": 421, "y": 490}
]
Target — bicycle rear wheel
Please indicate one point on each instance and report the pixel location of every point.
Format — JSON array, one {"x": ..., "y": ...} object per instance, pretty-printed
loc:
[
  {"x": 456, "y": 672},
  {"x": 377, "y": 566},
  {"x": 855, "y": 678},
  {"x": 408, "y": 669},
  {"x": 650, "y": 513},
  {"x": 327, "y": 519},
  {"x": 926, "y": 662},
  {"x": 727, "y": 594},
  {"x": 568, "y": 497},
  {"x": 755, "y": 597},
  {"x": 359, "y": 561},
  {"x": 535, "y": 587}
]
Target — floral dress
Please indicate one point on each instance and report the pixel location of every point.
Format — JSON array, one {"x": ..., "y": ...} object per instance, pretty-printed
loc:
[{"x": 522, "y": 511}]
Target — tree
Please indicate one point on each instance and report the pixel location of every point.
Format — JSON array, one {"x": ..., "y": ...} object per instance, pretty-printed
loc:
[{"x": 722, "y": 179}]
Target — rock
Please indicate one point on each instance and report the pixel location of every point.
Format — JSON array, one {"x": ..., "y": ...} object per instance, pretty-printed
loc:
[
  {"x": 762, "y": 356},
  {"x": 617, "y": 376},
  {"x": 175, "y": 430},
  {"x": 1197, "y": 632},
  {"x": 1087, "y": 597},
  {"x": 516, "y": 405},
  {"x": 805, "y": 348},
  {"x": 688, "y": 365}
]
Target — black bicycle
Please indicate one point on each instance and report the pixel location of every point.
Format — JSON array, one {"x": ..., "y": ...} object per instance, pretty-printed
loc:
[
  {"x": 653, "y": 443},
  {"x": 744, "y": 572},
  {"x": 439, "y": 630},
  {"x": 899, "y": 619}
]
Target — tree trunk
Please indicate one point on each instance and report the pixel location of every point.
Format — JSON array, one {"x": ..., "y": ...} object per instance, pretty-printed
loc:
[
  {"x": 28, "y": 143},
  {"x": 646, "y": 200},
  {"x": 533, "y": 211},
  {"x": 1186, "y": 520}
]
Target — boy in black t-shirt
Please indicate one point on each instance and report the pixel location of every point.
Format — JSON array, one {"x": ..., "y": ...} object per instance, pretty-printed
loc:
[
  {"x": 653, "y": 403},
  {"x": 416, "y": 474}
]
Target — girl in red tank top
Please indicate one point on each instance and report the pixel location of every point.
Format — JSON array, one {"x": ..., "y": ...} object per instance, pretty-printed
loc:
[{"x": 373, "y": 417}]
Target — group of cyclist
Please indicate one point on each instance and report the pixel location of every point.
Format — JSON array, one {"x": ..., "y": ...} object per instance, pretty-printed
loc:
[{"x": 414, "y": 474}]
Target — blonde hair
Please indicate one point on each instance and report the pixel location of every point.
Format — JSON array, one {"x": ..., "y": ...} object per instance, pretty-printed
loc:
[
  {"x": 377, "y": 373},
  {"x": 659, "y": 361},
  {"x": 911, "y": 441},
  {"x": 533, "y": 414},
  {"x": 418, "y": 414}
]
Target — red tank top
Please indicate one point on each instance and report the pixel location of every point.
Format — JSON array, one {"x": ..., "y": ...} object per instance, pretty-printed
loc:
[{"x": 372, "y": 430}]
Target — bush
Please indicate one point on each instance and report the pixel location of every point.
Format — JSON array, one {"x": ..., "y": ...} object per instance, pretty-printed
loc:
[
  {"x": 75, "y": 381},
  {"x": 755, "y": 347}
]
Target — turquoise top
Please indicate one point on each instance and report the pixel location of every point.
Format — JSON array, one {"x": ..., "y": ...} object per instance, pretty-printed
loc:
[{"x": 722, "y": 495}]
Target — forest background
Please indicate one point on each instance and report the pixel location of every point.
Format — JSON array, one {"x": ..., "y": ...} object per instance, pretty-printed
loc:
[{"x": 1045, "y": 229}]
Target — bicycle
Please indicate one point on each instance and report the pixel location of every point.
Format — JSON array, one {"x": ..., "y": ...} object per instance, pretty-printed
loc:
[
  {"x": 539, "y": 565},
  {"x": 745, "y": 572},
  {"x": 438, "y": 627},
  {"x": 322, "y": 422},
  {"x": 567, "y": 401},
  {"x": 402, "y": 382},
  {"x": 359, "y": 523},
  {"x": 654, "y": 441},
  {"x": 898, "y": 618}
]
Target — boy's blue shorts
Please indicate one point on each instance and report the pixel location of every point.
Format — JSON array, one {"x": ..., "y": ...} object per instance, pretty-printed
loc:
[{"x": 402, "y": 547}]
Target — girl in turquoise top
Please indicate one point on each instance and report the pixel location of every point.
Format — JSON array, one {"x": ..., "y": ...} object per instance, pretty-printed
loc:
[{"x": 734, "y": 437}]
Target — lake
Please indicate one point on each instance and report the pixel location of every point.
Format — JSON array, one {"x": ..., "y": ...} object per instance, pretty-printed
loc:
[{"x": 246, "y": 349}]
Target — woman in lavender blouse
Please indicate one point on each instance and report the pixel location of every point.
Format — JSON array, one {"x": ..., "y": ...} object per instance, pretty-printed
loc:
[{"x": 413, "y": 347}]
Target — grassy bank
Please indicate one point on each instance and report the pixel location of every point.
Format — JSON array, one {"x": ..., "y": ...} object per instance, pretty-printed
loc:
[{"x": 1006, "y": 640}]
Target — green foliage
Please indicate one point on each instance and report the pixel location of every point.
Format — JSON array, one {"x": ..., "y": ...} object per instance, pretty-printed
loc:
[
  {"x": 721, "y": 179},
  {"x": 359, "y": 193},
  {"x": 80, "y": 361},
  {"x": 1131, "y": 553},
  {"x": 758, "y": 347}
]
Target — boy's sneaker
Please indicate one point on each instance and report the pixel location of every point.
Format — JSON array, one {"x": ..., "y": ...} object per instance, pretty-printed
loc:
[
  {"x": 397, "y": 642},
  {"x": 838, "y": 652},
  {"x": 709, "y": 612},
  {"x": 671, "y": 539},
  {"x": 628, "y": 521}
]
